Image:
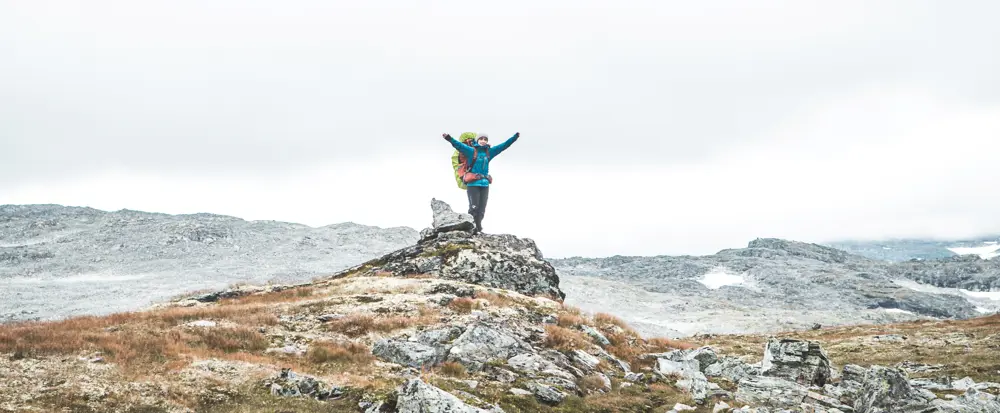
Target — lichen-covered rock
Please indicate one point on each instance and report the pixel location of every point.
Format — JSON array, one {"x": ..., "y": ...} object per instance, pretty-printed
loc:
[
  {"x": 690, "y": 378},
  {"x": 406, "y": 353},
  {"x": 596, "y": 335},
  {"x": 584, "y": 360},
  {"x": 705, "y": 356},
  {"x": 446, "y": 220},
  {"x": 415, "y": 396},
  {"x": 290, "y": 384},
  {"x": 973, "y": 401},
  {"x": 500, "y": 261},
  {"x": 732, "y": 369},
  {"x": 887, "y": 390},
  {"x": 803, "y": 362},
  {"x": 535, "y": 365},
  {"x": 771, "y": 392},
  {"x": 481, "y": 344},
  {"x": 545, "y": 393},
  {"x": 852, "y": 380}
]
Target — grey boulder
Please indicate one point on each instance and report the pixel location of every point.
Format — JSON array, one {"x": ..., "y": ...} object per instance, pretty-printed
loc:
[{"x": 803, "y": 362}]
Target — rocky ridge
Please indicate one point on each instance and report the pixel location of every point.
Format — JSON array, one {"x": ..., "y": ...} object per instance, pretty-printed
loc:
[
  {"x": 58, "y": 261},
  {"x": 898, "y": 250},
  {"x": 775, "y": 284}
]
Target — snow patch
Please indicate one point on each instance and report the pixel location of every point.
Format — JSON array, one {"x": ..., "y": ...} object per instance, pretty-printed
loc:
[
  {"x": 986, "y": 302},
  {"x": 988, "y": 251},
  {"x": 718, "y": 278},
  {"x": 989, "y": 295},
  {"x": 897, "y": 311}
]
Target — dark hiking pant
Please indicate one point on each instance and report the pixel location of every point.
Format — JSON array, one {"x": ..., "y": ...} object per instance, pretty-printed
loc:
[{"x": 477, "y": 204}]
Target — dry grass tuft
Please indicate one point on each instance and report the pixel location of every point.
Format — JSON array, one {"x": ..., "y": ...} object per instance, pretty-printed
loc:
[
  {"x": 284, "y": 296},
  {"x": 453, "y": 369},
  {"x": 497, "y": 300},
  {"x": 605, "y": 319},
  {"x": 340, "y": 353},
  {"x": 228, "y": 340},
  {"x": 463, "y": 305},
  {"x": 357, "y": 325},
  {"x": 591, "y": 384},
  {"x": 570, "y": 309},
  {"x": 663, "y": 344},
  {"x": 561, "y": 338},
  {"x": 569, "y": 320},
  {"x": 141, "y": 343}
]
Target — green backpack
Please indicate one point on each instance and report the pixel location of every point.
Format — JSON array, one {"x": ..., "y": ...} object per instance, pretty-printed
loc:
[{"x": 458, "y": 161}]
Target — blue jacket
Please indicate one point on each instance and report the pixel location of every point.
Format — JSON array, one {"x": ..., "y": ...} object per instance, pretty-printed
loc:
[{"x": 483, "y": 158}]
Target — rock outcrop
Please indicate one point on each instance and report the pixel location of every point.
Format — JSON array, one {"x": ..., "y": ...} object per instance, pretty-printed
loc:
[
  {"x": 418, "y": 397},
  {"x": 803, "y": 362},
  {"x": 887, "y": 390},
  {"x": 450, "y": 251},
  {"x": 446, "y": 220}
]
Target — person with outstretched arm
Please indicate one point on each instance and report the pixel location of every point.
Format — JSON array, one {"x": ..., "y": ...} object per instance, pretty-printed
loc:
[{"x": 477, "y": 176}]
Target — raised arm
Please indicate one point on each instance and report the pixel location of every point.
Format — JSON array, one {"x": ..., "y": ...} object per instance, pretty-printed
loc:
[
  {"x": 496, "y": 150},
  {"x": 461, "y": 147}
]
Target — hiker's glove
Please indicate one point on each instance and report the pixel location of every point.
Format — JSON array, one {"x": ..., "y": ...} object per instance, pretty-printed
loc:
[
  {"x": 446, "y": 136},
  {"x": 517, "y": 135}
]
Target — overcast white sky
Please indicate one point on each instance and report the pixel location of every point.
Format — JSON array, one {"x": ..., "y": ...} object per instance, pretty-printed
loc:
[{"x": 648, "y": 127}]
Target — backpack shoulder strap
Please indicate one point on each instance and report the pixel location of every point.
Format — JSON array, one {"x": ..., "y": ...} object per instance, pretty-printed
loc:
[{"x": 475, "y": 155}]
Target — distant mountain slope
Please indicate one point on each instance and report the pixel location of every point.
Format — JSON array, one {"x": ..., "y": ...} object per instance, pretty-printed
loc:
[
  {"x": 772, "y": 284},
  {"x": 897, "y": 250},
  {"x": 57, "y": 261}
]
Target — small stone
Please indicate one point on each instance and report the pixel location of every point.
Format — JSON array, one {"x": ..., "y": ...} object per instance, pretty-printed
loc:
[
  {"x": 720, "y": 407},
  {"x": 445, "y": 219},
  {"x": 202, "y": 323},
  {"x": 683, "y": 407}
]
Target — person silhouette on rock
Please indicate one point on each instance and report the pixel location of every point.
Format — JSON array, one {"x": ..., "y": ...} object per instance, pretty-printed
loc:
[{"x": 477, "y": 176}]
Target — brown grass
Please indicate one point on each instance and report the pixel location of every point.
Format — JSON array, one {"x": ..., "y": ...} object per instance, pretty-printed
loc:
[
  {"x": 357, "y": 325},
  {"x": 605, "y": 319},
  {"x": 463, "y": 305},
  {"x": 284, "y": 296},
  {"x": 561, "y": 338},
  {"x": 229, "y": 340},
  {"x": 453, "y": 369},
  {"x": 497, "y": 300},
  {"x": 141, "y": 343},
  {"x": 340, "y": 353},
  {"x": 145, "y": 343},
  {"x": 591, "y": 384},
  {"x": 663, "y": 344},
  {"x": 569, "y": 320}
]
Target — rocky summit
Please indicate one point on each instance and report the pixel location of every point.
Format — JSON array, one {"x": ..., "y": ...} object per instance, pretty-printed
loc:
[
  {"x": 472, "y": 323},
  {"x": 448, "y": 250}
]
